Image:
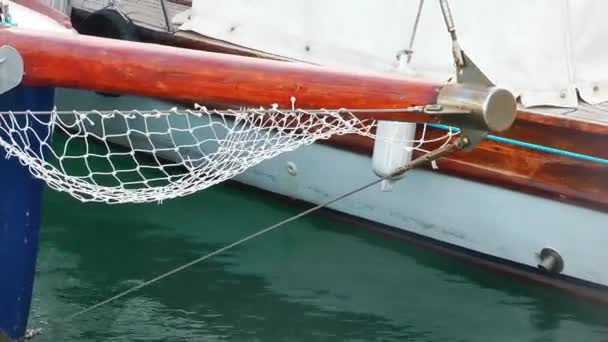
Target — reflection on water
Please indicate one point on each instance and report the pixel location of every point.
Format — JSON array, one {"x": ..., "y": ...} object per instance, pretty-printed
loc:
[{"x": 315, "y": 279}]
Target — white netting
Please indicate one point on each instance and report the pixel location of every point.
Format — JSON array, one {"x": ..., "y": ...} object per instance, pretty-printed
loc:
[{"x": 145, "y": 156}]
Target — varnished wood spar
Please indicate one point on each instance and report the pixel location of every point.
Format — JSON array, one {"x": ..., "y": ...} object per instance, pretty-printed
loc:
[
  {"x": 114, "y": 66},
  {"x": 572, "y": 134},
  {"x": 532, "y": 124}
]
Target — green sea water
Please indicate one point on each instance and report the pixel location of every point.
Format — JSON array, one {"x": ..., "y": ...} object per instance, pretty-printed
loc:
[{"x": 317, "y": 279}]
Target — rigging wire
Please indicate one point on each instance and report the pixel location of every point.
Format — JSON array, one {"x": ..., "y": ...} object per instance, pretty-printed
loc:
[
  {"x": 457, "y": 144},
  {"x": 410, "y": 48}
]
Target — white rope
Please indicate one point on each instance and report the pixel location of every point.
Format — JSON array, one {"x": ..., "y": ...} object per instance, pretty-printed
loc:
[{"x": 169, "y": 153}]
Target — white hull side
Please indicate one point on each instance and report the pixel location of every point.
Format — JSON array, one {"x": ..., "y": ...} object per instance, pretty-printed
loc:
[{"x": 495, "y": 221}]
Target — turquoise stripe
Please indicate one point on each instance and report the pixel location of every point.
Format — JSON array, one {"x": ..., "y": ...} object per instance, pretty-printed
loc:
[
  {"x": 533, "y": 146},
  {"x": 8, "y": 23}
]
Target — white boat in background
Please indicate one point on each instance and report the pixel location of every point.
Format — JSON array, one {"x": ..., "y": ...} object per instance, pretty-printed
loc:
[{"x": 532, "y": 202}]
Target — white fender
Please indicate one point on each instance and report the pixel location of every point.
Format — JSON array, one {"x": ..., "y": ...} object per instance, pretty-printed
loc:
[{"x": 392, "y": 149}]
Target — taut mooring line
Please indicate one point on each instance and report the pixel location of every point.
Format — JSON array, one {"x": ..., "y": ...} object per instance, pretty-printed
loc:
[{"x": 457, "y": 144}]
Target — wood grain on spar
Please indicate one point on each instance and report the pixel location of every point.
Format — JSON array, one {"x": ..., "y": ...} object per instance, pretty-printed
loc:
[
  {"x": 70, "y": 60},
  {"x": 543, "y": 122}
]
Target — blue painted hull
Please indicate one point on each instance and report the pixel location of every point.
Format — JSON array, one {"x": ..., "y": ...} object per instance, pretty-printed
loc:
[{"x": 20, "y": 202}]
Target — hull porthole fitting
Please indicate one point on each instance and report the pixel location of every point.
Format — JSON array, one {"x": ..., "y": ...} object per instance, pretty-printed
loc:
[{"x": 551, "y": 260}]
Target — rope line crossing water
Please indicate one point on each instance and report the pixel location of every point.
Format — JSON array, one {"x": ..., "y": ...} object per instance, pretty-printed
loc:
[
  {"x": 531, "y": 146},
  {"x": 457, "y": 144}
]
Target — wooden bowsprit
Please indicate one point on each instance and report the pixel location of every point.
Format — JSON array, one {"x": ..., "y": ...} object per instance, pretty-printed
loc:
[
  {"x": 112, "y": 66},
  {"x": 338, "y": 102}
]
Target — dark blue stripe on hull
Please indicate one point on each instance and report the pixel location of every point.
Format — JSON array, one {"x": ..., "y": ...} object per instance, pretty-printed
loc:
[{"x": 20, "y": 201}]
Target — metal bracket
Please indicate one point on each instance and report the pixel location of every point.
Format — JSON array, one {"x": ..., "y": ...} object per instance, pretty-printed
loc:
[
  {"x": 469, "y": 73},
  {"x": 11, "y": 68},
  {"x": 473, "y": 104},
  {"x": 458, "y": 117}
]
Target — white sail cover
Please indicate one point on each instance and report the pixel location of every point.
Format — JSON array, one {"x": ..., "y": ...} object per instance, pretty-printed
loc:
[
  {"x": 24, "y": 17},
  {"x": 542, "y": 50}
]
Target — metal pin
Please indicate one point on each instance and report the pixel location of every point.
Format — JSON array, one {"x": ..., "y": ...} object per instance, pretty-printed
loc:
[{"x": 449, "y": 23}]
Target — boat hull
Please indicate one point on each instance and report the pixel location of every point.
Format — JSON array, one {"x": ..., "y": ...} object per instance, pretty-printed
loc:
[
  {"x": 473, "y": 218},
  {"x": 20, "y": 207}
]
